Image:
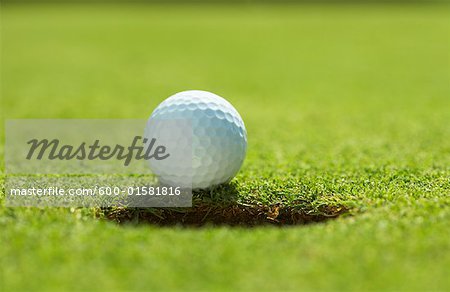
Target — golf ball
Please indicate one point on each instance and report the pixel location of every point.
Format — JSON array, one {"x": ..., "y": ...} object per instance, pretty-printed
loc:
[{"x": 209, "y": 128}]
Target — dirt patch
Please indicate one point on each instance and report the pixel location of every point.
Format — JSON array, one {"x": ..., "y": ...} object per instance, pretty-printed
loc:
[{"x": 229, "y": 215}]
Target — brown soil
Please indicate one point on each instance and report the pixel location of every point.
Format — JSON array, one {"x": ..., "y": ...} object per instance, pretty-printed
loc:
[{"x": 231, "y": 215}]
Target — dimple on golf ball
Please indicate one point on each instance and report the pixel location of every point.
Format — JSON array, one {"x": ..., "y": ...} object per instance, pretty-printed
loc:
[{"x": 211, "y": 131}]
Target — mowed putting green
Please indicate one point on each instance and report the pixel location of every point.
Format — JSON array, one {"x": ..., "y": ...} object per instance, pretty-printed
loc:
[{"x": 346, "y": 108}]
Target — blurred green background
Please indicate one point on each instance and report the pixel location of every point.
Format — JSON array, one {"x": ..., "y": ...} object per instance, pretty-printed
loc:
[{"x": 345, "y": 104}]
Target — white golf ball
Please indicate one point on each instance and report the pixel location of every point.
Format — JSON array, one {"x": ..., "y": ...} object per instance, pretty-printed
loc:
[{"x": 209, "y": 128}]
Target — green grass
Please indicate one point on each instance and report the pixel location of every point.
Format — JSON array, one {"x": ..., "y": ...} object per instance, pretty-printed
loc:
[{"x": 343, "y": 106}]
